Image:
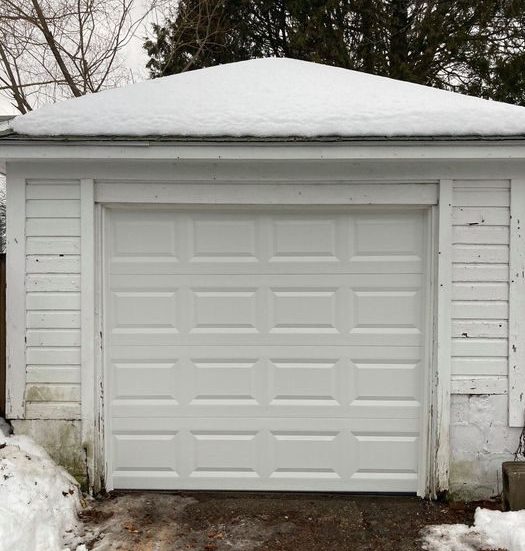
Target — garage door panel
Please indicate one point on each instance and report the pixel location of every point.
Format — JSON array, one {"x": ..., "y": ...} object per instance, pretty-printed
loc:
[
  {"x": 267, "y": 310},
  {"x": 290, "y": 383},
  {"x": 221, "y": 237},
  {"x": 388, "y": 235},
  {"x": 360, "y": 482},
  {"x": 261, "y": 242},
  {"x": 152, "y": 309},
  {"x": 145, "y": 235},
  {"x": 382, "y": 453},
  {"x": 271, "y": 350},
  {"x": 260, "y": 451},
  {"x": 148, "y": 451},
  {"x": 146, "y": 380}
]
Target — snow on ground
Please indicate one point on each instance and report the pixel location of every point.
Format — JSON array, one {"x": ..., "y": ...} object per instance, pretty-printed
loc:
[
  {"x": 492, "y": 530},
  {"x": 274, "y": 98},
  {"x": 39, "y": 501}
]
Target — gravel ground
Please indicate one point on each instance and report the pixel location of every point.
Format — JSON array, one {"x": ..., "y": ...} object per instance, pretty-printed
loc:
[{"x": 152, "y": 521}]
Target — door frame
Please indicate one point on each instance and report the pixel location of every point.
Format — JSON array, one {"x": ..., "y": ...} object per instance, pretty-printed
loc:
[{"x": 434, "y": 446}]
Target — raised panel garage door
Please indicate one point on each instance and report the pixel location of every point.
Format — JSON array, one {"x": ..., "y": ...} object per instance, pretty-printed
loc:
[{"x": 265, "y": 349}]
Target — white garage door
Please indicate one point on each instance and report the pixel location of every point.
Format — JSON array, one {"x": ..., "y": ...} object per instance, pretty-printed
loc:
[{"x": 265, "y": 349}]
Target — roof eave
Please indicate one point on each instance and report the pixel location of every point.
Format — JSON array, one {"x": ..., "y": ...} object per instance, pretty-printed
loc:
[
  {"x": 15, "y": 147},
  {"x": 9, "y": 135}
]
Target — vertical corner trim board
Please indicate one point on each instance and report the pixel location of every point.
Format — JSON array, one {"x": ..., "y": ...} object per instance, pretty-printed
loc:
[
  {"x": 517, "y": 305},
  {"x": 87, "y": 320},
  {"x": 15, "y": 299},
  {"x": 443, "y": 334}
]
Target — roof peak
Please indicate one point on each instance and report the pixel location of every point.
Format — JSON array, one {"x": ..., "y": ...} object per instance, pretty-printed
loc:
[{"x": 274, "y": 97}]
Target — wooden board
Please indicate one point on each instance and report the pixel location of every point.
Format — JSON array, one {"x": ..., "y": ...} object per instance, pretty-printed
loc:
[{"x": 2, "y": 335}]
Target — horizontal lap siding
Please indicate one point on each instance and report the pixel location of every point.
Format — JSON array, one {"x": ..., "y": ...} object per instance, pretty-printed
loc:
[
  {"x": 480, "y": 287},
  {"x": 53, "y": 299}
]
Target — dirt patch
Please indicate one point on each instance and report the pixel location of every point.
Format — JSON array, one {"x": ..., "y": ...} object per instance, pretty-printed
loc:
[{"x": 152, "y": 521}]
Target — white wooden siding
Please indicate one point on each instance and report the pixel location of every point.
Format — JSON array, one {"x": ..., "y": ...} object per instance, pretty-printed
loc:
[
  {"x": 53, "y": 299},
  {"x": 480, "y": 288}
]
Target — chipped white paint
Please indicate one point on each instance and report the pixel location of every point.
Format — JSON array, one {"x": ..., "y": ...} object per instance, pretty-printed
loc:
[
  {"x": 15, "y": 303},
  {"x": 318, "y": 193},
  {"x": 87, "y": 322},
  {"x": 443, "y": 338},
  {"x": 480, "y": 303},
  {"x": 53, "y": 298},
  {"x": 480, "y": 441},
  {"x": 517, "y": 306},
  {"x": 487, "y": 384}
]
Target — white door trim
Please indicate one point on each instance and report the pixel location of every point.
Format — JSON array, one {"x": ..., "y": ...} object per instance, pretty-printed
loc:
[
  {"x": 87, "y": 323},
  {"x": 274, "y": 193},
  {"x": 440, "y": 422},
  {"x": 434, "y": 449}
]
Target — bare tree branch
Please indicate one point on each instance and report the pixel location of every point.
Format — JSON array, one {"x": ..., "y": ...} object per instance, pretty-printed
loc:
[{"x": 54, "y": 49}]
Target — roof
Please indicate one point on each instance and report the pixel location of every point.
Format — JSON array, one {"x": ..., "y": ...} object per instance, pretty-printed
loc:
[{"x": 274, "y": 98}]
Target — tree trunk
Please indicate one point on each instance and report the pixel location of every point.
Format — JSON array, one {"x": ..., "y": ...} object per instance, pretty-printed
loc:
[
  {"x": 54, "y": 49},
  {"x": 367, "y": 29},
  {"x": 399, "y": 28}
]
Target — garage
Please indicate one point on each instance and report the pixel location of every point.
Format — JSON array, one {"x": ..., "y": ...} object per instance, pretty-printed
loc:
[
  {"x": 265, "y": 348},
  {"x": 269, "y": 275}
]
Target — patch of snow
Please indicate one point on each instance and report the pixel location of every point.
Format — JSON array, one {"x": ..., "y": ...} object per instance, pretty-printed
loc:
[
  {"x": 492, "y": 530},
  {"x": 274, "y": 98},
  {"x": 39, "y": 501}
]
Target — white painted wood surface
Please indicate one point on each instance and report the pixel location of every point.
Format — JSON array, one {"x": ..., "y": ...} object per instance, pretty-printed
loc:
[
  {"x": 53, "y": 298},
  {"x": 257, "y": 193},
  {"x": 517, "y": 306},
  {"x": 16, "y": 300},
  {"x": 87, "y": 323},
  {"x": 441, "y": 413},
  {"x": 480, "y": 385},
  {"x": 480, "y": 292},
  {"x": 145, "y": 150}
]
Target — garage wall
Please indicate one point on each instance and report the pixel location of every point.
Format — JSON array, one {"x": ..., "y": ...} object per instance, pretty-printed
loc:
[
  {"x": 53, "y": 299},
  {"x": 480, "y": 309},
  {"x": 481, "y": 438},
  {"x": 481, "y": 218},
  {"x": 480, "y": 292}
]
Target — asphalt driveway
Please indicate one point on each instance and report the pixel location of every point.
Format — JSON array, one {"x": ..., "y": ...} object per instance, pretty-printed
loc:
[{"x": 149, "y": 521}]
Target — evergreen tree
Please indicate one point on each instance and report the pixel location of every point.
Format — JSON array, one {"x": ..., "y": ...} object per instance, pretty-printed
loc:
[{"x": 471, "y": 47}]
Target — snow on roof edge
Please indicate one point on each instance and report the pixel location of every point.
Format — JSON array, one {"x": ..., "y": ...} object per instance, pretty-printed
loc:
[
  {"x": 274, "y": 98},
  {"x": 154, "y": 138}
]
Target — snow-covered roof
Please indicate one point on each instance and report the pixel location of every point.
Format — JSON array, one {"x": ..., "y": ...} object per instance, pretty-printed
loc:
[{"x": 274, "y": 98}]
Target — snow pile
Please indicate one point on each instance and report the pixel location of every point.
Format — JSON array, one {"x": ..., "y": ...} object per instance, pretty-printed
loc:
[
  {"x": 492, "y": 530},
  {"x": 274, "y": 98},
  {"x": 39, "y": 501}
]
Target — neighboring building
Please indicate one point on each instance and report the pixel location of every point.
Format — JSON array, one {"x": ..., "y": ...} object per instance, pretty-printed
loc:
[{"x": 270, "y": 275}]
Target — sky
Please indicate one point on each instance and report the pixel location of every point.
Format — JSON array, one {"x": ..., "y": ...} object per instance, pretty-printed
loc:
[{"x": 135, "y": 55}]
